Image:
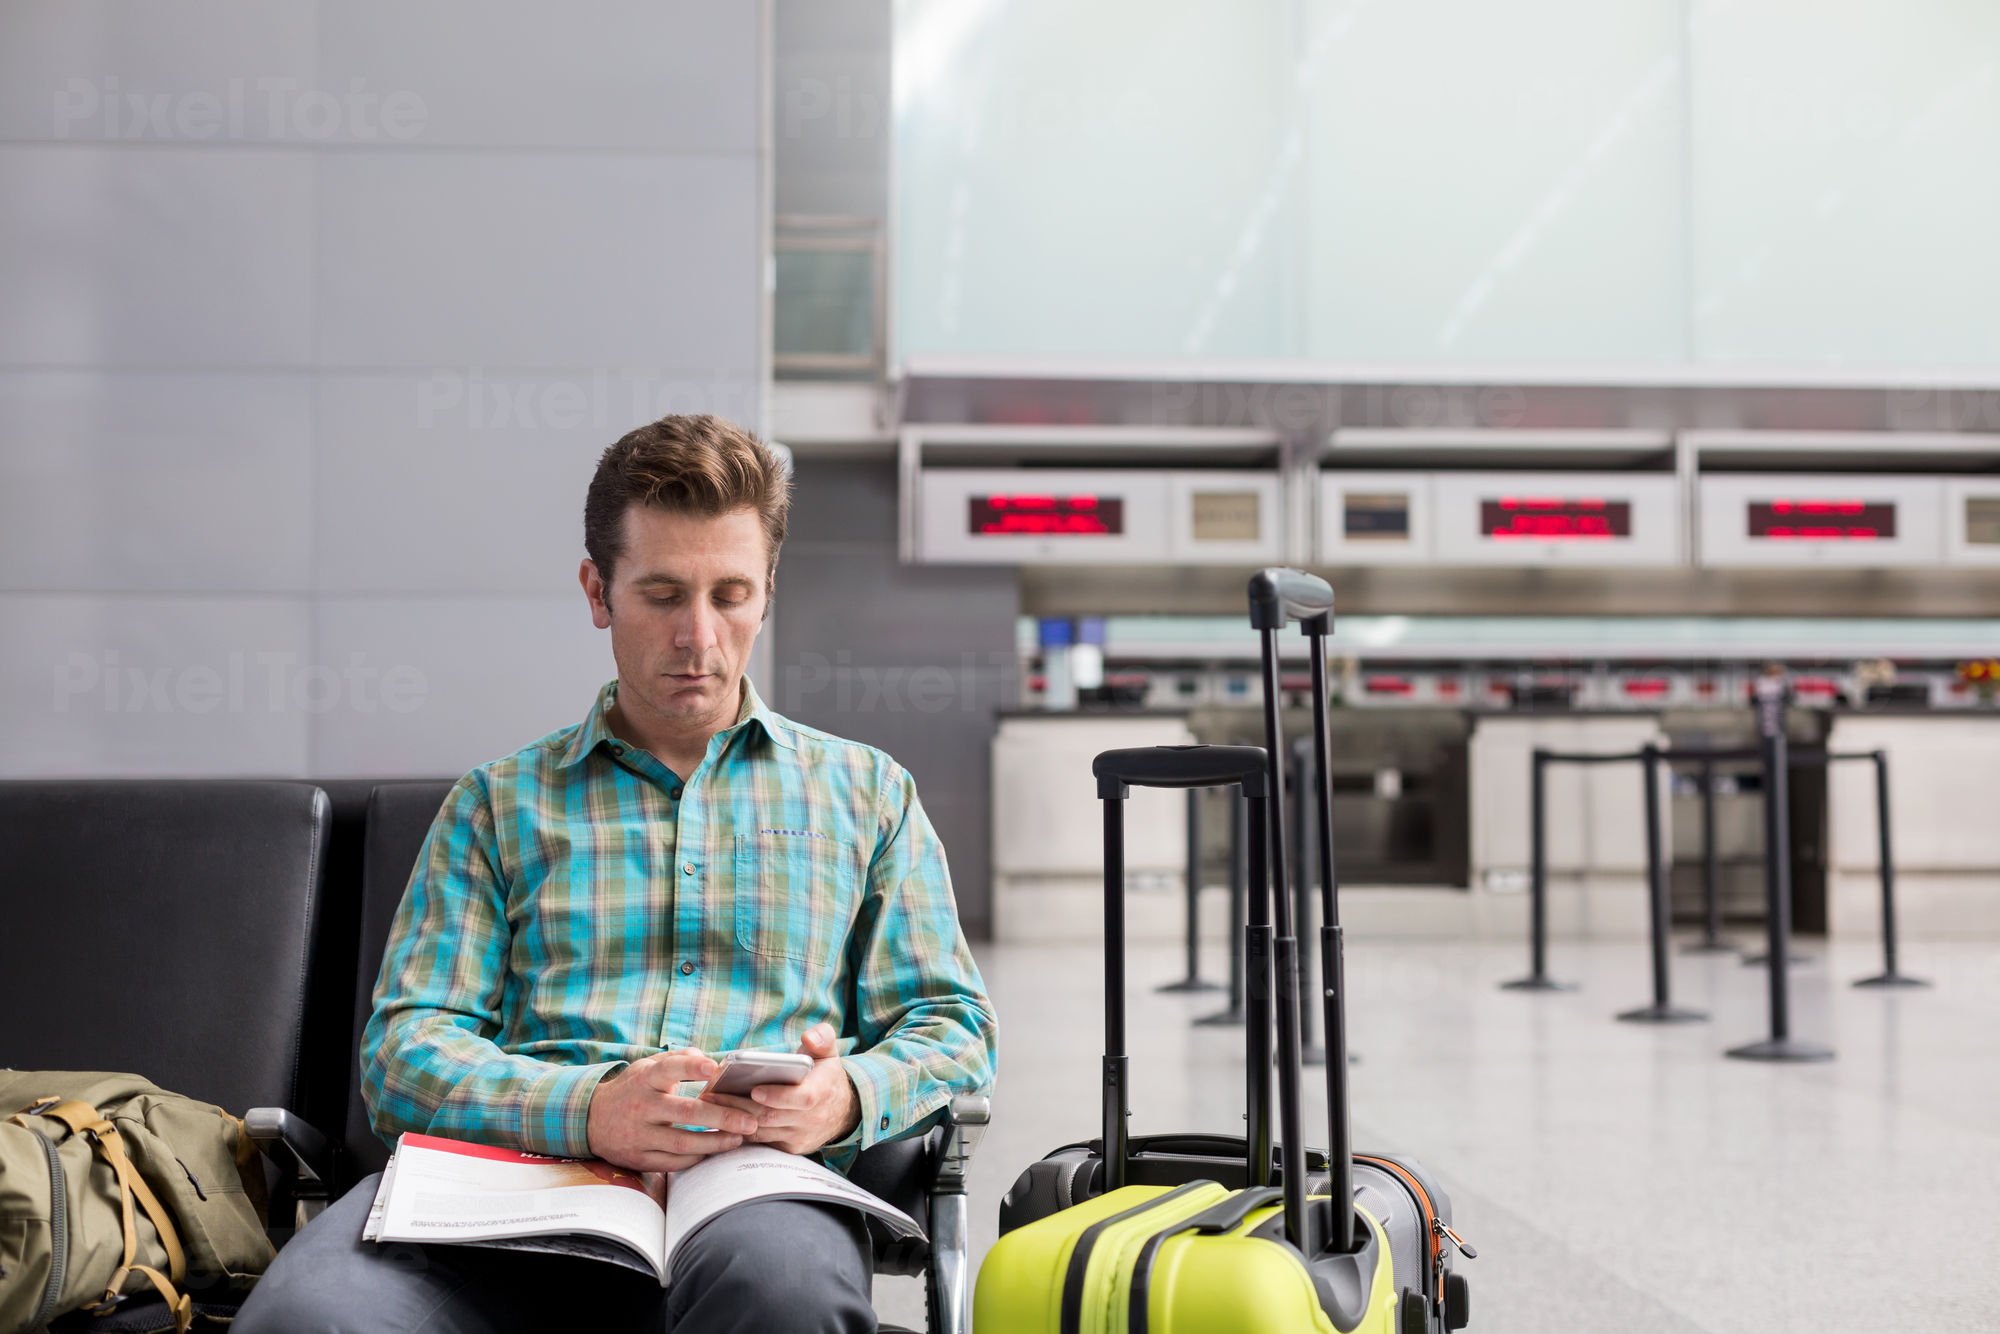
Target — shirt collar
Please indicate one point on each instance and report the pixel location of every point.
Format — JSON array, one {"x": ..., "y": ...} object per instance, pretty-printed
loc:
[{"x": 594, "y": 730}]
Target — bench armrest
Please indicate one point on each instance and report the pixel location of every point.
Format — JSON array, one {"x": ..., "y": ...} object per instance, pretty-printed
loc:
[
  {"x": 965, "y": 1122},
  {"x": 301, "y": 1155}
]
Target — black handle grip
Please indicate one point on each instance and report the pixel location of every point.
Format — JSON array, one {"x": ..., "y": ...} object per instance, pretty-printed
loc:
[
  {"x": 1180, "y": 766},
  {"x": 1279, "y": 596}
]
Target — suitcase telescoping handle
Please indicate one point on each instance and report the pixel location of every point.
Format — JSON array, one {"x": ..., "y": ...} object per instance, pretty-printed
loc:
[
  {"x": 1171, "y": 767},
  {"x": 1279, "y": 596},
  {"x": 1179, "y": 766}
]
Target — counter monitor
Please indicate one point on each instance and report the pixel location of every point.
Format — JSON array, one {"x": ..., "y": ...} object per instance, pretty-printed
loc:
[
  {"x": 1554, "y": 518},
  {"x": 1982, "y": 521},
  {"x": 1822, "y": 520},
  {"x": 1376, "y": 516},
  {"x": 1045, "y": 516},
  {"x": 1225, "y": 516}
]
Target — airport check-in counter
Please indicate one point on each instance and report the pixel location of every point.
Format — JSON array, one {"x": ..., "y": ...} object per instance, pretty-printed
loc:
[
  {"x": 1048, "y": 829},
  {"x": 1944, "y": 773},
  {"x": 1596, "y": 826}
]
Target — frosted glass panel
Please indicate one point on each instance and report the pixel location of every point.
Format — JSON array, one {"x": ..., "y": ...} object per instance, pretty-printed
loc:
[
  {"x": 1090, "y": 178},
  {"x": 1495, "y": 183},
  {"x": 1650, "y": 183},
  {"x": 1847, "y": 181}
]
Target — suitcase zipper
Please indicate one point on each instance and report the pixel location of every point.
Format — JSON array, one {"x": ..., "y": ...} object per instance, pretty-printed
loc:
[{"x": 1434, "y": 1226}]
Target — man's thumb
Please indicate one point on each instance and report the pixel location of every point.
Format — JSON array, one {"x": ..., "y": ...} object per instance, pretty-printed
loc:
[{"x": 818, "y": 1042}]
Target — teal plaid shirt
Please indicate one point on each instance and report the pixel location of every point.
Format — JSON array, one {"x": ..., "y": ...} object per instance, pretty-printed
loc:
[{"x": 578, "y": 906}]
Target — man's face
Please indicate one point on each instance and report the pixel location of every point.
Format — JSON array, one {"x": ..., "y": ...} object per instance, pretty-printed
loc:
[{"x": 687, "y": 599}]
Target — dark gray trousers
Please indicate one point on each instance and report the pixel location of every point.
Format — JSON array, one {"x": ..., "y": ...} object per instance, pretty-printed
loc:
[{"x": 773, "y": 1267}]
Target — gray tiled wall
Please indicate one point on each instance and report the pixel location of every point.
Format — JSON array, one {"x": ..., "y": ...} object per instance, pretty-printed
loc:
[{"x": 316, "y": 317}]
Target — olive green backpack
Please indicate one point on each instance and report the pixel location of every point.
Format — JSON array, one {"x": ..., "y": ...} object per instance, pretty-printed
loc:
[{"x": 111, "y": 1185}]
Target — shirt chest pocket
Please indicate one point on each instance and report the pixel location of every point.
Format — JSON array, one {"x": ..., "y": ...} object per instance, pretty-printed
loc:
[{"x": 796, "y": 894}]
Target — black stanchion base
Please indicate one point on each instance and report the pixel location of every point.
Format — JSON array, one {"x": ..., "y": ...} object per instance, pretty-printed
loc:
[
  {"x": 1190, "y": 984},
  {"x": 1663, "y": 1014},
  {"x": 1890, "y": 980},
  {"x": 1230, "y": 1018},
  {"x": 1781, "y": 1049},
  {"x": 1794, "y": 959},
  {"x": 1537, "y": 984},
  {"x": 1709, "y": 947}
]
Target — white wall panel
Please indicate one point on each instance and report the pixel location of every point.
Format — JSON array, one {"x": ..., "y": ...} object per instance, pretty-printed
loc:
[
  {"x": 524, "y": 260},
  {"x": 612, "y": 74},
  {"x": 133, "y": 255},
  {"x": 257, "y": 338},
  {"x": 191, "y": 71},
  {"x": 116, "y": 482},
  {"x": 473, "y": 679},
  {"x": 200, "y": 686}
]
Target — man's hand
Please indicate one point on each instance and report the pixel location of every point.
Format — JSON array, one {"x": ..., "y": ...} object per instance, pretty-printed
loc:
[
  {"x": 814, "y": 1112},
  {"x": 636, "y": 1113}
]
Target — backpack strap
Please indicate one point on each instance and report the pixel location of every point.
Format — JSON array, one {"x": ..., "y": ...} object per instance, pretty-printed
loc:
[{"x": 83, "y": 1119}]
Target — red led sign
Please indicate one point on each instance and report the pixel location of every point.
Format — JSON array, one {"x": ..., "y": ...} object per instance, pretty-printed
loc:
[
  {"x": 1822, "y": 520},
  {"x": 1046, "y": 516},
  {"x": 1555, "y": 519}
]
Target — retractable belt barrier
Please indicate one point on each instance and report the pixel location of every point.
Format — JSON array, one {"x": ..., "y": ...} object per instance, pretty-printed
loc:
[{"x": 1776, "y": 759}]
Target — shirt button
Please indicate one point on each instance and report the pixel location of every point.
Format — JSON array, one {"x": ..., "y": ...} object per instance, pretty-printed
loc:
[
  {"x": 675, "y": 794},
  {"x": 885, "y": 1123},
  {"x": 688, "y": 867},
  {"x": 687, "y": 969}
]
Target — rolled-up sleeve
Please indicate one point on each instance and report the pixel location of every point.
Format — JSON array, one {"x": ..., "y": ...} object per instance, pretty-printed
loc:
[
  {"x": 429, "y": 1061},
  {"x": 923, "y": 1027}
]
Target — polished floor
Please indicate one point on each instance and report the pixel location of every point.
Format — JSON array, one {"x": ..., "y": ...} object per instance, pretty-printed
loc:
[{"x": 1614, "y": 1177}]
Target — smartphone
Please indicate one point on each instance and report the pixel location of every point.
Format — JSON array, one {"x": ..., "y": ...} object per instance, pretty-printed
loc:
[{"x": 743, "y": 1070}]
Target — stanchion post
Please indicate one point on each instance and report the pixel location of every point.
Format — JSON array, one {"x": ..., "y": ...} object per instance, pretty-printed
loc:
[
  {"x": 1538, "y": 978},
  {"x": 1662, "y": 1010},
  {"x": 1193, "y": 981},
  {"x": 1711, "y": 941},
  {"x": 1792, "y": 956},
  {"x": 1772, "y": 695},
  {"x": 1239, "y": 815},
  {"x": 1888, "y": 977}
]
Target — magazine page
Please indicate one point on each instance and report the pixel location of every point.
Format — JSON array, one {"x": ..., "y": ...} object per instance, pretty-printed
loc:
[
  {"x": 572, "y": 1244},
  {"x": 754, "y": 1172},
  {"x": 446, "y": 1190},
  {"x": 372, "y": 1229}
]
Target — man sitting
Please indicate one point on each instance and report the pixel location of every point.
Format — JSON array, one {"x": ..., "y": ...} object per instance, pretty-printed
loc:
[{"x": 682, "y": 872}]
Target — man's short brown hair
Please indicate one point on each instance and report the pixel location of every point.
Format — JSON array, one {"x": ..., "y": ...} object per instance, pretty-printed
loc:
[{"x": 698, "y": 465}]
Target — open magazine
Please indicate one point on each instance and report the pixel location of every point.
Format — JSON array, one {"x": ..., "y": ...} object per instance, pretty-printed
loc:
[{"x": 446, "y": 1190}]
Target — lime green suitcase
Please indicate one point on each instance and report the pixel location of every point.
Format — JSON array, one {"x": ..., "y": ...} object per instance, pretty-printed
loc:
[
  {"x": 1086, "y": 1251},
  {"x": 1198, "y": 1257}
]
